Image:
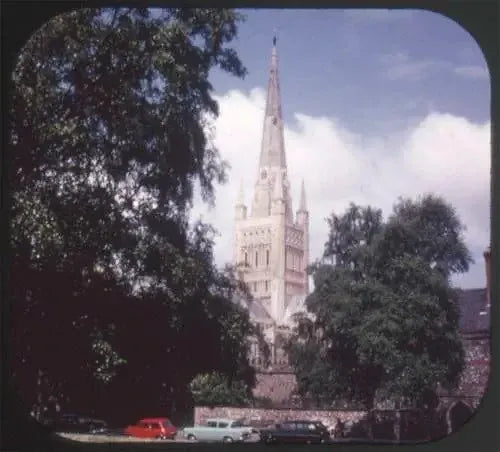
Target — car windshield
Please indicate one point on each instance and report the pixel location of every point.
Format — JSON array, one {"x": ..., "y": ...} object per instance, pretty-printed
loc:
[
  {"x": 236, "y": 424},
  {"x": 166, "y": 423}
]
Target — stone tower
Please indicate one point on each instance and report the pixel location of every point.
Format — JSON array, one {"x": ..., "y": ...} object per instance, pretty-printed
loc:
[{"x": 271, "y": 245}]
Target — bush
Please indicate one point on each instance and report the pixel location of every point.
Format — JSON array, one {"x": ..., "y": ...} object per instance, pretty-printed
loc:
[{"x": 213, "y": 389}]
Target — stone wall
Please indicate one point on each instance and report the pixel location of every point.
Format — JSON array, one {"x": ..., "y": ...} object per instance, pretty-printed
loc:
[
  {"x": 477, "y": 365},
  {"x": 262, "y": 417},
  {"x": 474, "y": 380}
]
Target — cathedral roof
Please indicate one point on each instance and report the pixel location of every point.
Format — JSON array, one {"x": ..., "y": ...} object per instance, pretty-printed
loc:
[
  {"x": 474, "y": 317},
  {"x": 259, "y": 312},
  {"x": 295, "y": 305},
  {"x": 256, "y": 310}
]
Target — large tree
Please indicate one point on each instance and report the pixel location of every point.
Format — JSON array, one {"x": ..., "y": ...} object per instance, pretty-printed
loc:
[
  {"x": 113, "y": 294},
  {"x": 384, "y": 322}
]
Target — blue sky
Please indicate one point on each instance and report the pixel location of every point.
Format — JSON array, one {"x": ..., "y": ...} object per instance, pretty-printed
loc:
[
  {"x": 376, "y": 103},
  {"x": 368, "y": 68}
]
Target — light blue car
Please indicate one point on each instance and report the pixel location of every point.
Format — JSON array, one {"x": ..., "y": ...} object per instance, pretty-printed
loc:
[{"x": 225, "y": 430}]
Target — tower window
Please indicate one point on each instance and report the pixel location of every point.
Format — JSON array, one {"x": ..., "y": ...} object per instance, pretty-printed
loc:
[
  {"x": 256, "y": 259},
  {"x": 267, "y": 257},
  {"x": 267, "y": 285},
  {"x": 246, "y": 258},
  {"x": 255, "y": 287}
]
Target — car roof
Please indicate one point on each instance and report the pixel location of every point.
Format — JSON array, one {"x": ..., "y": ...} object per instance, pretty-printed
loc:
[
  {"x": 154, "y": 419},
  {"x": 221, "y": 420},
  {"x": 301, "y": 421}
]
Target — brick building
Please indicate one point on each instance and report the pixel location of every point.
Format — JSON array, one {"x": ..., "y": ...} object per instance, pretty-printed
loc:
[{"x": 458, "y": 405}]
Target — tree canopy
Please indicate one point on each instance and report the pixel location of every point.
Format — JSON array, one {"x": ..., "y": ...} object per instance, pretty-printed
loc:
[
  {"x": 215, "y": 389},
  {"x": 113, "y": 294},
  {"x": 384, "y": 323}
]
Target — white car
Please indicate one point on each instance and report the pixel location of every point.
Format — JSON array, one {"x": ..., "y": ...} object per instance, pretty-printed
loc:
[{"x": 225, "y": 430}]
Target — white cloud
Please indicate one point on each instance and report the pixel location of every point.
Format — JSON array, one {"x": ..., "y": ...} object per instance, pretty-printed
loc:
[
  {"x": 443, "y": 154},
  {"x": 400, "y": 66},
  {"x": 472, "y": 72}
]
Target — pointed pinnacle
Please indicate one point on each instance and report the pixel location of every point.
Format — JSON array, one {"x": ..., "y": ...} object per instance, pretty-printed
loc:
[
  {"x": 302, "y": 205},
  {"x": 241, "y": 195}
]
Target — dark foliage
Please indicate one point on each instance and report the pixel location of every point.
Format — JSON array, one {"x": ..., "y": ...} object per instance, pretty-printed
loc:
[
  {"x": 385, "y": 320},
  {"x": 115, "y": 302}
]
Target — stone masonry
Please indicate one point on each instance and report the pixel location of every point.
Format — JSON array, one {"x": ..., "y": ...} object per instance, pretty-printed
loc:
[{"x": 263, "y": 416}]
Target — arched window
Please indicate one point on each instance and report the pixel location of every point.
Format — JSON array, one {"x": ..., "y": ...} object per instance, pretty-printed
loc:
[
  {"x": 267, "y": 285},
  {"x": 267, "y": 258},
  {"x": 256, "y": 259},
  {"x": 246, "y": 258}
]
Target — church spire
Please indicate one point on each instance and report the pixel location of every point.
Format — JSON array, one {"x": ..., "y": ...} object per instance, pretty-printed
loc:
[
  {"x": 272, "y": 152},
  {"x": 302, "y": 204},
  {"x": 278, "y": 193}
]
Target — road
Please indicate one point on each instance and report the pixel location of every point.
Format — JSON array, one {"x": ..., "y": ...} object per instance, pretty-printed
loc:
[{"x": 102, "y": 438}]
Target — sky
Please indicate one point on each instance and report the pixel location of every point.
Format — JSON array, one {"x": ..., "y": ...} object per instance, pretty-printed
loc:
[{"x": 377, "y": 104}]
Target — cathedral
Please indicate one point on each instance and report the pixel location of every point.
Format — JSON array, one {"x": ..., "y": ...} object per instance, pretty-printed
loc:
[
  {"x": 271, "y": 254},
  {"x": 271, "y": 244}
]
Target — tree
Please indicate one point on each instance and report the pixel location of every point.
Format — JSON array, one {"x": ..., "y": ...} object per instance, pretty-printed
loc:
[
  {"x": 108, "y": 281},
  {"x": 385, "y": 319},
  {"x": 215, "y": 389}
]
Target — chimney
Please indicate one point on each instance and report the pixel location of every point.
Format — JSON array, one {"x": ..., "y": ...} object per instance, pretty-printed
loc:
[{"x": 487, "y": 258}]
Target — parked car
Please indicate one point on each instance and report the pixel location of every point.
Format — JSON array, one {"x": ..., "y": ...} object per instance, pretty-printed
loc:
[
  {"x": 158, "y": 427},
  {"x": 225, "y": 430},
  {"x": 308, "y": 432},
  {"x": 77, "y": 423},
  {"x": 258, "y": 424}
]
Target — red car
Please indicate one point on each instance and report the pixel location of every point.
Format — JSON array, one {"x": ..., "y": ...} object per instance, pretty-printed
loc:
[{"x": 156, "y": 427}]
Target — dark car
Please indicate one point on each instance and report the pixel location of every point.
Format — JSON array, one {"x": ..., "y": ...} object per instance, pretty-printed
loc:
[
  {"x": 308, "y": 432},
  {"x": 75, "y": 423}
]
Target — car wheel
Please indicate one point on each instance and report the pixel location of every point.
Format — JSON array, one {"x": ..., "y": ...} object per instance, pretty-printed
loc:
[
  {"x": 191, "y": 437},
  {"x": 227, "y": 439},
  {"x": 269, "y": 439}
]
